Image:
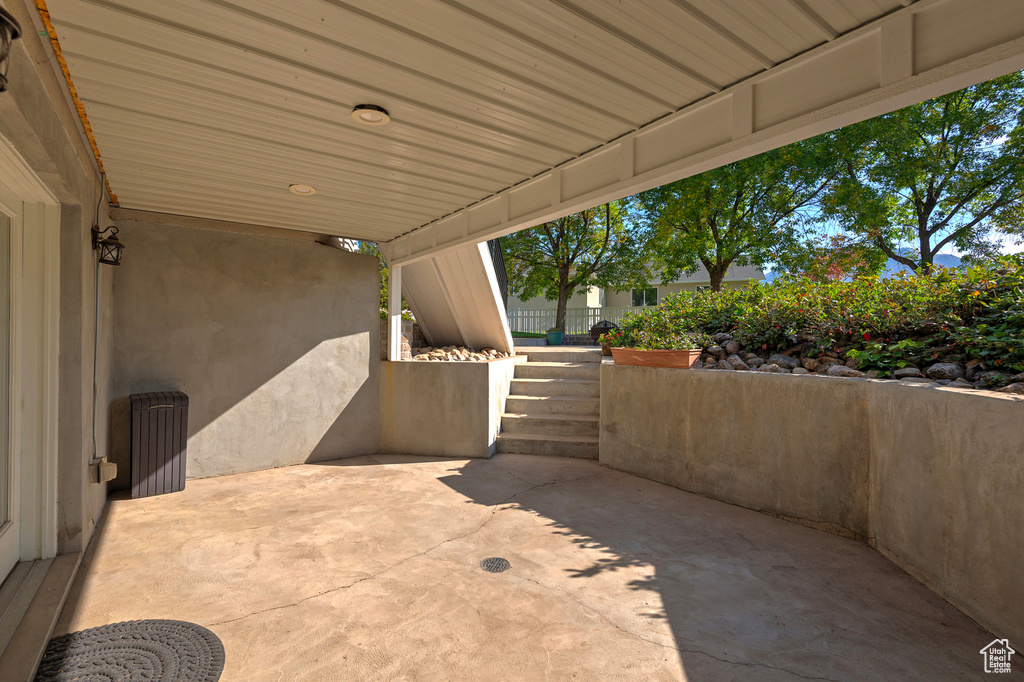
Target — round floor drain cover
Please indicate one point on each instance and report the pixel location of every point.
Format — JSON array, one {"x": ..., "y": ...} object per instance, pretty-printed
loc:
[
  {"x": 165, "y": 650},
  {"x": 495, "y": 564}
]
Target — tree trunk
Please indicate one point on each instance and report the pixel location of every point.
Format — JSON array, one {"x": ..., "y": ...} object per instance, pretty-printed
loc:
[
  {"x": 563, "y": 300},
  {"x": 927, "y": 257},
  {"x": 717, "y": 275}
]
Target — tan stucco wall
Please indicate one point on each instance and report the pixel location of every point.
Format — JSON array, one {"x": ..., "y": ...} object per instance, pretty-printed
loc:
[
  {"x": 275, "y": 341},
  {"x": 44, "y": 134},
  {"x": 736, "y": 438},
  {"x": 445, "y": 409},
  {"x": 933, "y": 477}
]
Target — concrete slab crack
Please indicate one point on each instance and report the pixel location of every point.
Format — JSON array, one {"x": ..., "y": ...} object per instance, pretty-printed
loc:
[
  {"x": 640, "y": 637},
  {"x": 755, "y": 665}
]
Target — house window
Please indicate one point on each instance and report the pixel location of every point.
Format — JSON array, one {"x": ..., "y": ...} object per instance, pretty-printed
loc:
[{"x": 645, "y": 296}]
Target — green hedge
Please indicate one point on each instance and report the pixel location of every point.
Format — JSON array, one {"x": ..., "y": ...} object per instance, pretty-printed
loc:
[{"x": 949, "y": 315}]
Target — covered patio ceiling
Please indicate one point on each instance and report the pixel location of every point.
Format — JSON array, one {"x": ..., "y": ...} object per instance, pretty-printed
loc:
[{"x": 503, "y": 114}]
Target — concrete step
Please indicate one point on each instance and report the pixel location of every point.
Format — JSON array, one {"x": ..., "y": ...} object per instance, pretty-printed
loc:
[
  {"x": 550, "y": 424},
  {"x": 585, "y": 447},
  {"x": 559, "y": 354},
  {"x": 583, "y": 388},
  {"x": 555, "y": 404},
  {"x": 558, "y": 370}
]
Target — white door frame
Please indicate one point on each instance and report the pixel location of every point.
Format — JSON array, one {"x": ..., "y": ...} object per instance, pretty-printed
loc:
[{"x": 34, "y": 353}]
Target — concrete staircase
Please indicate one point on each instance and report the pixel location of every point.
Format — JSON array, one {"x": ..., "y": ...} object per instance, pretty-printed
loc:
[{"x": 554, "y": 402}]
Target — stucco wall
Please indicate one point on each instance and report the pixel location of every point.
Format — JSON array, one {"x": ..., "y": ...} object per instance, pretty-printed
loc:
[
  {"x": 45, "y": 135},
  {"x": 275, "y": 340},
  {"x": 932, "y": 477},
  {"x": 444, "y": 409},
  {"x": 736, "y": 437}
]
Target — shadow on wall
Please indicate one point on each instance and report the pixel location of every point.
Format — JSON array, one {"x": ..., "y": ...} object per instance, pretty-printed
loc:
[
  {"x": 719, "y": 584},
  {"x": 274, "y": 340}
]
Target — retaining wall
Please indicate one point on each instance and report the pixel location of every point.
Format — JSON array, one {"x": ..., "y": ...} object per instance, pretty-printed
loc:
[
  {"x": 446, "y": 409},
  {"x": 932, "y": 477}
]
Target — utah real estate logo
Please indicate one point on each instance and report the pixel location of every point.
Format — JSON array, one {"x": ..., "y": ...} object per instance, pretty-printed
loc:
[{"x": 997, "y": 656}]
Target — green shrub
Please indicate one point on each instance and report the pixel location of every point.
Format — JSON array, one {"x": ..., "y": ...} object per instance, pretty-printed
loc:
[{"x": 975, "y": 312}]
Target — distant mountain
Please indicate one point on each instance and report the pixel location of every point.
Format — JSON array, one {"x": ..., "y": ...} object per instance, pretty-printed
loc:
[{"x": 947, "y": 260}]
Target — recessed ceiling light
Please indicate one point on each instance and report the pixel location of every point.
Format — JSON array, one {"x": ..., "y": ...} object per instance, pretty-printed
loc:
[
  {"x": 371, "y": 115},
  {"x": 302, "y": 190}
]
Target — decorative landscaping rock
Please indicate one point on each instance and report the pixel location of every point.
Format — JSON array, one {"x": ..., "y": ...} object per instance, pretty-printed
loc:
[
  {"x": 1016, "y": 388},
  {"x": 810, "y": 364},
  {"x": 747, "y": 356},
  {"x": 737, "y": 363},
  {"x": 455, "y": 354},
  {"x": 784, "y": 361},
  {"x": 826, "y": 361},
  {"x": 717, "y": 351},
  {"x": 770, "y": 367},
  {"x": 722, "y": 364},
  {"x": 873, "y": 374},
  {"x": 907, "y": 373},
  {"x": 961, "y": 383},
  {"x": 800, "y": 370},
  {"x": 721, "y": 337},
  {"x": 853, "y": 363},
  {"x": 732, "y": 348},
  {"x": 844, "y": 371},
  {"x": 755, "y": 361},
  {"x": 945, "y": 370}
]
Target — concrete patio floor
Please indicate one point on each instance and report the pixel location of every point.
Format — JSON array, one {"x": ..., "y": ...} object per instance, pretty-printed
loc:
[{"x": 367, "y": 568}]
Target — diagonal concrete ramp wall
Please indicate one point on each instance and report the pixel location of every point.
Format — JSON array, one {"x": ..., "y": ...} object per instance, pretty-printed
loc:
[{"x": 455, "y": 298}]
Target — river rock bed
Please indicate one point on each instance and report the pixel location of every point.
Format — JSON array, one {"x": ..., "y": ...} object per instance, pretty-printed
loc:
[
  {"x": 456, "y": 354},
  {"x": 727, "y": 354}
]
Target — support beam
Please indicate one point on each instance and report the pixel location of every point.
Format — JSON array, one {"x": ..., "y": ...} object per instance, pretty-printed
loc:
[
  {"x": 928, "y": 49},
  {"x": 395, "y": 313}
]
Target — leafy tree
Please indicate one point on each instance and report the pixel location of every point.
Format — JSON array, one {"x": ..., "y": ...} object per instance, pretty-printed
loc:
[
  {"x": 370, "y": 249},
  {"x": 595, "y": 247},
  {"x": 946, "y": 171},
  {"x": 751, "y": 212}
]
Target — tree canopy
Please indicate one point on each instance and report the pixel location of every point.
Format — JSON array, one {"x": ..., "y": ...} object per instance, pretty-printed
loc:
[
  {"x": 596, "y": 247},
  {"x": 751, "y": 212},
  {"x": 947, "y": 171}
]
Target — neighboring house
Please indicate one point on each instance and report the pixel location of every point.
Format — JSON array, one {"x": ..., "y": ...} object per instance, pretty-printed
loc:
[
  {"x": 587, "y": 306},
  {"x": 738, "y": 277}
]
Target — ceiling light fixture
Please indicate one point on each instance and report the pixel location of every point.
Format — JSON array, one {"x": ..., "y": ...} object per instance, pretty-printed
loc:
[
  {"x": 302, "y": 190},
  {"x": 371, "y": 115}
]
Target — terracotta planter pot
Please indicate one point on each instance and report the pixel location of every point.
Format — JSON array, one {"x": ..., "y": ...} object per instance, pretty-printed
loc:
[
  {"x": 679, "y": 359},
  {"x": 606, "y": 349}
]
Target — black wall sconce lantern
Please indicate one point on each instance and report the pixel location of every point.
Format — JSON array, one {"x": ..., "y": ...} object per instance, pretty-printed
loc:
[
  {"x": 10, "y": 31},
  {"x": 110, "y": 248}
]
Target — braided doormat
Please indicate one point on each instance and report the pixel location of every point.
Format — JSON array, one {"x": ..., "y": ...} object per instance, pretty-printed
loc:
[{"x": 150, "y": 650}]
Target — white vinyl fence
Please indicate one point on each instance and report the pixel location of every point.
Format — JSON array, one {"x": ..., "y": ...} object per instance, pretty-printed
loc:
[{"x": 577, "y": 320}]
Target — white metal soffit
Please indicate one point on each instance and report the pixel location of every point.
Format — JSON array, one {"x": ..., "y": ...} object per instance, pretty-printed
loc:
[{"x": 503, "y": 113}]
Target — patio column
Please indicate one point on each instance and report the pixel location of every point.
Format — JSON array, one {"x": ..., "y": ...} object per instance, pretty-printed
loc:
[{"x": 395, "y": 313}]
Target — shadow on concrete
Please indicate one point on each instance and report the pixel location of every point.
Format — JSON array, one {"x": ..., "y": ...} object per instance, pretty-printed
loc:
[{"x": 738, "y": 594}]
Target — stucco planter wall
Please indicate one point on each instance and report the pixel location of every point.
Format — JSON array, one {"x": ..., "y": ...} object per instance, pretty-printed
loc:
[
  {"x": 447, "y": 409},
  {"x": 932, "y": 477}
]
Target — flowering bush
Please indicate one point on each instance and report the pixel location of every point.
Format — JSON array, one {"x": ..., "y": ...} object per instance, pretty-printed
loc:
[
  {"x": 655, "y": 329},
  {"x": 975, "y": 312}
]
